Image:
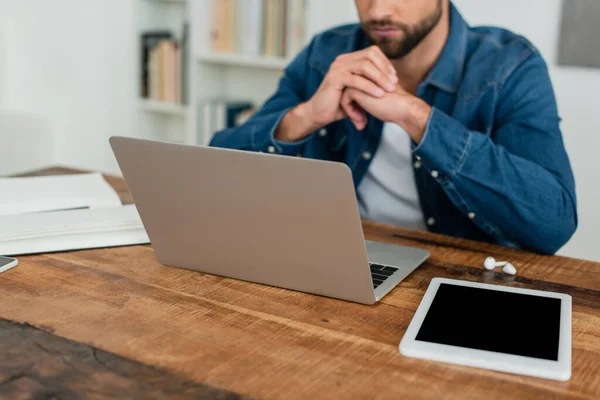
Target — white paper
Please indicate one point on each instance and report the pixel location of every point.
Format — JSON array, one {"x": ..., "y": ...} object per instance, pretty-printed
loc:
[
  {"x": 71, "y": 230},
  {"x": 52, "y": 193}
]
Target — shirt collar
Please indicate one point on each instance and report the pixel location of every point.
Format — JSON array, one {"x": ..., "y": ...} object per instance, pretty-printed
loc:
[{"x": 448, "y": 70}]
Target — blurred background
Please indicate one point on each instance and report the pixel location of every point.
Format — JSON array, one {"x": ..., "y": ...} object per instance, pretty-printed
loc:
[{"x": 75, "y": 72}]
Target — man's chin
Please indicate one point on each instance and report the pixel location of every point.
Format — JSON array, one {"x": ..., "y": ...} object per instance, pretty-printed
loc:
[
  {"x": 389, "y": 46},
  {"x": 391, "y": 50}
]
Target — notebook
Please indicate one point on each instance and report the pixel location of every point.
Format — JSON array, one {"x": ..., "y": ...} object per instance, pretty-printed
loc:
[
  {"x": 71, "y": 230},
  {"x": 64, "y": 212},
  {"x": 53, "y": 193}
]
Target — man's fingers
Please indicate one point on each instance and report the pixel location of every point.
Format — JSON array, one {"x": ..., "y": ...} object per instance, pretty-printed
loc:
[
  {"x": 372, "y": 54},
  {"x": 363, "y": 84},
  {"x": 376, "y": 56},
  {"x": 368, "y": 70},
  {"x": 356, "y": 114}
]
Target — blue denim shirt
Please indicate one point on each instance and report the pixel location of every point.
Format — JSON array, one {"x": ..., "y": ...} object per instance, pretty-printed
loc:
[{"x": 492, "y": 165}]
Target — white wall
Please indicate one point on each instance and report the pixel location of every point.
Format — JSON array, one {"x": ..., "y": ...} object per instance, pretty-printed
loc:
[
  {"x": 73, "y": 62},
  {"x": 576, "y": 90}
]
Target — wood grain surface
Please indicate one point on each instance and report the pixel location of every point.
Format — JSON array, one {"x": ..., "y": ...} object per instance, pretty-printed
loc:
[
  {"x": 39, "y": 365},
  {"x": 268, "y": 342}
]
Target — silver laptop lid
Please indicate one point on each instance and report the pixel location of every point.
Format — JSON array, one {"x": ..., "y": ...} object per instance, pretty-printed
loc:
[{"x": 282, "y": 221}]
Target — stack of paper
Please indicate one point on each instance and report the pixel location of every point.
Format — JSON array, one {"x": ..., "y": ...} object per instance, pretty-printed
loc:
[
  {"x": 54, "y": 193},
  {"x": 60, "y": 213},
  {"x": 71, "y": 230}
]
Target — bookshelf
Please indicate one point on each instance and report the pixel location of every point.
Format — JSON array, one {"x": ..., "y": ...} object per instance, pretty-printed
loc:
[
  {"x": 212, "y": 74},
  {"x": 241, "y": 60},
  {"x": 153, "y": 106}
]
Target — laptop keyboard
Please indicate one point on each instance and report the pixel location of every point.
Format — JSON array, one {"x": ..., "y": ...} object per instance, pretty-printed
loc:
[{"x": 380, "y": 273}]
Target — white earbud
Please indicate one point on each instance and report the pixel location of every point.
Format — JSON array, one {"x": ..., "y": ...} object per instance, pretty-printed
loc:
[
  {"x": 490, "y": 264},
  {"x": 509, "y": 269}
]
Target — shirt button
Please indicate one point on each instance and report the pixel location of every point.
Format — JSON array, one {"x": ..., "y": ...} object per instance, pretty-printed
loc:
[
  {"x": 472, "y": 215},
  {"x": 418, "y": 158},
  {"x": 418, "y": 164},
  {"x": 271, "y": 149},
  {"x": 366, "y": 155},
  {"x": 323, "y": 132},
  {"x": 431, "y": 221},
  {"x": 435, "y": 174}
]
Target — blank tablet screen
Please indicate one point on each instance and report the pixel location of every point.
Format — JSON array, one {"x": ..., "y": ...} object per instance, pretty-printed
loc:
[{"x": 491, "y": 320}]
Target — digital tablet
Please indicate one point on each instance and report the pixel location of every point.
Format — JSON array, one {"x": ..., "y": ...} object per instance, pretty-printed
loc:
[{"x": 506, "y": 329}]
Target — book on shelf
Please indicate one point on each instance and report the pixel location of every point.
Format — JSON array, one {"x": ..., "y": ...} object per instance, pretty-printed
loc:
[
  {"x": 185, "y": 59},
  {"x": 296, "y": 27},
  {"x": 216, "y": 114},
  {"x": 223, "y": 35},
  {"x": 272, "y": 28},
  {"x": 163, "y": 56},
  {"x": 149, "y": 40},
  {"x": 164, "y": 67},
  {"x": 176, "y": 71},
  {"x": 250, "y": 23},
  {"x": 282, "y": 28}
]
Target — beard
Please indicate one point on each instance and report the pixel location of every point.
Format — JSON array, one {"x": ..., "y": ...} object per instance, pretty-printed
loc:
[{"x": 413, "y": 35}]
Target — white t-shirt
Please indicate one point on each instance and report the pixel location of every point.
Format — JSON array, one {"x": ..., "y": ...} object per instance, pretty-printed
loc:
[{"x": 388, "y": 192}]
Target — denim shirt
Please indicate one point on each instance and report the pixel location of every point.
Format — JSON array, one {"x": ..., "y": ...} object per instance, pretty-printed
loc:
[{"x": 491, "y": 166}]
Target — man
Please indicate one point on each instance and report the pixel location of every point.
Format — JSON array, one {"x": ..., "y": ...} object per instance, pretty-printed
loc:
[{"x": 445, "y": 127}]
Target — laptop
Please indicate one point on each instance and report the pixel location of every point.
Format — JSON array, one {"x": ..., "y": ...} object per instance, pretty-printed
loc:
[{"x": 282, "y": 221}]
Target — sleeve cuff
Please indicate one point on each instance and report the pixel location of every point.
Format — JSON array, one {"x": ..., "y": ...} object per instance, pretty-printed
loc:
[
  {"x": 265, "y": 140},
  {"x": 444, "y": 145}
]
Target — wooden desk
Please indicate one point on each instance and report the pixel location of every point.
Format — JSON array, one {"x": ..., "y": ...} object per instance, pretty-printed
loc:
[{"x": 116, "y": 323}]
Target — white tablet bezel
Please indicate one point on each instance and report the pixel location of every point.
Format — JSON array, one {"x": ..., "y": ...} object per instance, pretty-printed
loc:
[
  {"x": 558, "y": 370},
  {"x": 9, "y": 263}
]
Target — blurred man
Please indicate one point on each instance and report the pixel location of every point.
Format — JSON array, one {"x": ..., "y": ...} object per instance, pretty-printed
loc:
[{"x": 445, "y": 127}]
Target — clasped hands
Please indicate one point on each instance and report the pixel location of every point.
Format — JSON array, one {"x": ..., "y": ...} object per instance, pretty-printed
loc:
[
  {"x": 357, "y": 84},
  {"x": 380, "y": 95}
]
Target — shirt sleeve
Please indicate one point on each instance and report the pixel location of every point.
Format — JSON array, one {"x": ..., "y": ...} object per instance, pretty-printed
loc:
[
  {"x": 516, "y": 183},
  {"x": 258, "y": 133}
]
